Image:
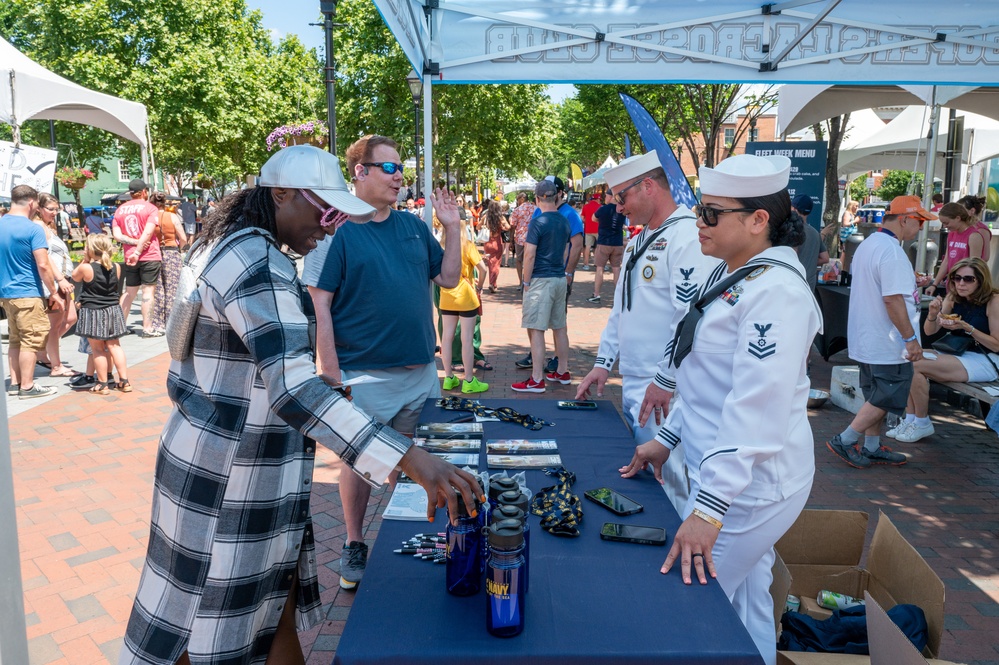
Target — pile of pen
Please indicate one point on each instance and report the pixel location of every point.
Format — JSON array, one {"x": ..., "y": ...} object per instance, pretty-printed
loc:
[{"x": 426, "y": 547}]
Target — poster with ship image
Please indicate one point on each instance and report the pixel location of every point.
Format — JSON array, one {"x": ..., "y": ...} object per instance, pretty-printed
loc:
[
  {"x": 514, "y": 446},
  {"x": 449, "y": 431},
  {"x": 449, "y": 445}
]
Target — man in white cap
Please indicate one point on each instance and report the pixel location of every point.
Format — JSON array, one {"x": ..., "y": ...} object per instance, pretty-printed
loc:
[
  {"x": 663, "y": 270},
  {"x": 371, "y": 287},
  {"x": 883, "y": 332}
]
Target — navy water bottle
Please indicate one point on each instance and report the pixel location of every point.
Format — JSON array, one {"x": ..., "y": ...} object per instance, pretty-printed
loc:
[
  {"x": 496, "y": 487},
  {"x": 519, "y": 502},
  {"x": 464, "y": 553},
  {"x": 505, "y": 578}
]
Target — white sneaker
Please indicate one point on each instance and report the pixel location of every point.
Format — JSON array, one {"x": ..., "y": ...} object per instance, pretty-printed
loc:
[
  {"x": 898, "y": 429},
  {"x": 915, "y": 433}
]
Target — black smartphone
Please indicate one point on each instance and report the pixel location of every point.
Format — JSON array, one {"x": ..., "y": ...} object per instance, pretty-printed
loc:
[
  {"x": 618, "y": 504},
  {"x": 577, "y": 405},
  {"x": 632, "y": 533}
]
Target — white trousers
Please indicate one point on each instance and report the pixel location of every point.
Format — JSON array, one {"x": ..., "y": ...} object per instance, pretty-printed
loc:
[
  {"x": 744, "y": 557},
  {"x": 674, "y": 471}
]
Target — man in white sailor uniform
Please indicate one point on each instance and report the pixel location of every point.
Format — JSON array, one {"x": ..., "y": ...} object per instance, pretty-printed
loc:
[
  {"x": 741, "y": 391},
  {"x": 663, "y": 270}
]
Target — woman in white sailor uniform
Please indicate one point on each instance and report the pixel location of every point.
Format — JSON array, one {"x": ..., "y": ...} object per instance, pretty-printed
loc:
[{"x": 740, "y": 405}]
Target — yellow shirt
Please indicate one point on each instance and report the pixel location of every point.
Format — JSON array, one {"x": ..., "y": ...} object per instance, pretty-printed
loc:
[{"x": 462, "y": 298}]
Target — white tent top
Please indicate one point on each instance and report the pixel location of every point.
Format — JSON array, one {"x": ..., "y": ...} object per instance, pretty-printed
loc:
[
  {"x": 597, "y": 176},
  {"x": 525, "y": 183},
  {"x": 722, "y": 41},
  {"x": 28, "y": 91}
]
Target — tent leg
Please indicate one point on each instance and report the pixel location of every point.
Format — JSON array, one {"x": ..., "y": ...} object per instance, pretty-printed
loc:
[
  {"x": 428, "y": 141},
  {"x": 931, "y": 158},
  {"x": 145, "y": 165},
  {"x": 13, "y": 631}
]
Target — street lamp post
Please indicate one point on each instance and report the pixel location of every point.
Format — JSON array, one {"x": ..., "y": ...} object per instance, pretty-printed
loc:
[
  {"x": 447, "y": 171},
  {"x": 328, "y": 9},
  {"x": 415, "y": 82}
]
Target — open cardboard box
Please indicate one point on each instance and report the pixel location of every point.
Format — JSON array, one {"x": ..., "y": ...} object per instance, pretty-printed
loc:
[{"x": 822, "y": 550}]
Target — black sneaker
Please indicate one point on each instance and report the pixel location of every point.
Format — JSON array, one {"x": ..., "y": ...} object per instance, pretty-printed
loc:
[
  {"x": 595, "y": 300},
  {"x": 848, "y": 454},
  {"x": 353, "y": 559},
  {"x": 13, "y": 389},
  {"x": 525, "y": 363},
  {"x": 82, "y": 381},
  {"x": 35, "y": 391},
  {"x": 552, "y": 365},
  {"x": 884, "y": 455}
]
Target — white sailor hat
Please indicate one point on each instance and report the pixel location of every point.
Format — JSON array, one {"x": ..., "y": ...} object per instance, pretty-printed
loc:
[
  {"x": 745, "y": 176},
  {"x": 631, "y": 168}
]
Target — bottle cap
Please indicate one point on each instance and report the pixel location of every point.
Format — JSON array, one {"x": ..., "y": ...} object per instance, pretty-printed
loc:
[
  {"x": 508, "y": 512},
  {"x": 514, "y": 498},
  {"x": 462, "y": 508},
  {"x": 500, "y": 485},
  {"x": 506, "y": 534}
]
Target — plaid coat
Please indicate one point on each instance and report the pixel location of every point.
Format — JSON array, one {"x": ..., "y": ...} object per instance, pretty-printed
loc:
[{"x": 230, "y": 523}]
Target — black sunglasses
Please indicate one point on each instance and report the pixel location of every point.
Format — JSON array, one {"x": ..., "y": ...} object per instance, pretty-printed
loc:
[
  {"x": 967, "y": 279},
  {"x": 710, "y": 215},
  {"x": 619, "y": 197},
  {"x": 387, "y": 167}
]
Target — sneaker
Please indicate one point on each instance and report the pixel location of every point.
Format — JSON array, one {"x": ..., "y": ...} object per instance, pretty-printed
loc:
[
  {"x": 884, "y": 455},
  {"x": 898, "y": 429},
  {"x": 529, "y": 386},
  {"x": 552, "y": 365},
  {"x": 595, "y": 300},
  {"x": 13, "y": 389},
  {"x": 565, "y": 379},
  {"x": 152, "y": 333},
  {"x": 526, "y": 362},
  {"x": 848, "y": 454},
  {"x": 353, "y": 559},
  {"x": 83, "y": 381},
  {"x": 36, "y": 391},
  {"x": 451, "y": 382},
  {"x": 474, "y": 386},
  {"x": 915, "y": 432}
]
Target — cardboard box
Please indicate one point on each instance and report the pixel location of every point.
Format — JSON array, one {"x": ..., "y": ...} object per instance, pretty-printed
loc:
[{"x": 822, "y": 550}]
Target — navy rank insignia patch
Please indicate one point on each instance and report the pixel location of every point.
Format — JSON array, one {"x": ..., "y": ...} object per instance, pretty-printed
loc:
[
  {"x": 762, "y": 347},
  {"x": 686, "y": 290},
  {"x": 648, "y": 272},
  {"x": 756, "y": 273}
]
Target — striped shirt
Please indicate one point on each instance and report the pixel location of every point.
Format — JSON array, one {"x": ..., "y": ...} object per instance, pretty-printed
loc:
[{"x": 230, "y": 523}]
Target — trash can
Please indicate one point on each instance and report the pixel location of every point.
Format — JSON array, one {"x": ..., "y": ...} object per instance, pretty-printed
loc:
[{"x": 849, "y": 247}]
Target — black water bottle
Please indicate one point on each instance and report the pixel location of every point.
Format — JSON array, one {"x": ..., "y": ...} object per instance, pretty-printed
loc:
[
  {"x": 513, "y": 506},
  {"x": 497, "y": 486},
  {"x": 505, "y": 578},
  {"x": 464, "y": 553}
]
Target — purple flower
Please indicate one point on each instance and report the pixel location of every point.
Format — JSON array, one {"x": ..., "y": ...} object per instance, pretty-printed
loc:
[{"x": 278, "y": 137}]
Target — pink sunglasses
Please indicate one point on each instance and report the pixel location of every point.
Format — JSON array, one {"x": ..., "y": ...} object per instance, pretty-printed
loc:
[{"x": 331, "y": 216}]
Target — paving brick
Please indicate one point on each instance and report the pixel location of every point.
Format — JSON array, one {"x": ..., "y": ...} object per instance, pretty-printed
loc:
[
  {"x": 91, "y": 556},
  {"x": 43, "y": 649}
]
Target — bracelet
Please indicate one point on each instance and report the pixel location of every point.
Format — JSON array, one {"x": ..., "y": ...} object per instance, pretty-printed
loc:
[
  {"x": 910, "y": 339},
  {"x": 707, "y": 518}
]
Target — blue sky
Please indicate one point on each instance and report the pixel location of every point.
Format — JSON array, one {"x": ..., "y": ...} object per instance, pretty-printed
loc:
[{"x": 284, "y": 17}]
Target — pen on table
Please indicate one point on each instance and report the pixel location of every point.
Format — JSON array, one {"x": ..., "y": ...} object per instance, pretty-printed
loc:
[
  {"x": 424, "y": 541},
  {"x": 418, "y": 550},
  {"x": 429, "y": 535},
  {"x": 462, "y": 419}
]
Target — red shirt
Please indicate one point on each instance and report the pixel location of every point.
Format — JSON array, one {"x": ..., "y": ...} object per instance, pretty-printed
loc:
[
  {"x": 131, "y": 219},
  {"x": 590, "y": 225}
]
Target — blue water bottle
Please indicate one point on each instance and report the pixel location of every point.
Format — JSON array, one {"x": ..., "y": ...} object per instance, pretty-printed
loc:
[
  {"x": 513, "y": 507},
  {"x": 497, "y": 486},
  {"x": 505, "y": 579},
  {"x": 464, "y": 553}
]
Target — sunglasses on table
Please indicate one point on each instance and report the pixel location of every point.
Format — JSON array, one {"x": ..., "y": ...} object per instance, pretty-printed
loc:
[
  {"x": 710, "y": 215},
  {"x": 386, "y": 167},
  {"x": 967, "y": 279}
]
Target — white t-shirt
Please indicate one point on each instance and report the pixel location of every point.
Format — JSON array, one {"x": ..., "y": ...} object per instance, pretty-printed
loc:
[{"x": 880, "y": 268}]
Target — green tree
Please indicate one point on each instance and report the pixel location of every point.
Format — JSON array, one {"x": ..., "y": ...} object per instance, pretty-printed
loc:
[{"x": 898, "y": 183}]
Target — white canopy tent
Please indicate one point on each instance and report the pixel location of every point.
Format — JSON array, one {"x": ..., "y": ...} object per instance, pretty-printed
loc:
[
  {"x": 915, "y": 42},
  {"x": 525, "y": 183},
  {"x": 28, "y": 91},
  {"x": 902, "y": 144},
  {"x": 597, "y": 176}
]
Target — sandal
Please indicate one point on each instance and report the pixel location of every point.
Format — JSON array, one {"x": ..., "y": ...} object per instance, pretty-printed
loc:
[
  {"x": 483, "y": 365},
  {"x": 100, "y": 389},
  {"x": 64, "y": 372},
  {"x": 42, "y": 363},
  {"x": 458, "y": 367},
  {"x": 124, "y": 386}
]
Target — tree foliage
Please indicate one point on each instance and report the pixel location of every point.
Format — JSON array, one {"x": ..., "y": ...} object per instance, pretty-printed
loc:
[{"x": 898, "y": 183}]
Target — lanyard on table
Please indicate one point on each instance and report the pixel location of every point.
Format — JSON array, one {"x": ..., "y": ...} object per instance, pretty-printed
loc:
[{"x": 504, "y": 413}]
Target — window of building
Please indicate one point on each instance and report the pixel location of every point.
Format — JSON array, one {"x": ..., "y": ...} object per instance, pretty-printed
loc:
[
  {"x": 729, "y": 136},
  {"x": 123, "y": 174},
  {"x": 754, "y": 134}
]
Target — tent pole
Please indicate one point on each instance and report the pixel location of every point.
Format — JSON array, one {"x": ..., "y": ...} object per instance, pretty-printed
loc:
[
  {"x": 15, "y": 125},
  {"x": 428, "y": 155},
  {"x": 931, "y": 158},
  {"x": 13, "y": 631}
]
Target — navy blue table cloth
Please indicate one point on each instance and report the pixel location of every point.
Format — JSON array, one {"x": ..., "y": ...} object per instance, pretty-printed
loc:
[{"x": 591, "y": 601}]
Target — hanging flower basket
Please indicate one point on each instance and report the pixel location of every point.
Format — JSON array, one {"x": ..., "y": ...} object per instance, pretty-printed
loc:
[
  {"x": 314, "y": 132},
  {"x": 73, "y": 177},
  {"x": 203, "y": 181}
]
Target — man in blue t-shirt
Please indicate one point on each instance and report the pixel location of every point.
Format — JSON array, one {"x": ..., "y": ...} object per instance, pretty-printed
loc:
[
  {"x": 371, "y": 287},
  {"x": 544, "y": 289},
  {"x": 24, "y": 267},
  {"x": 94, "y": 222}
]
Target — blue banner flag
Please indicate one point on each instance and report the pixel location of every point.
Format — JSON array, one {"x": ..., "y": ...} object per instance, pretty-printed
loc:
[
  {"x": 627, "y": 146},
  {"x": 653, "y": 139}
]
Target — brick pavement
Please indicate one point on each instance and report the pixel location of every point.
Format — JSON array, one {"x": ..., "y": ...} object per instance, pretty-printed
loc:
[{"x": 83, "y": 471}]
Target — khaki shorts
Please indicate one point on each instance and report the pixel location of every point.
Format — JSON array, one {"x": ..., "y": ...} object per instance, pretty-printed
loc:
[
  {"x": 590, "y": 240},
  {"x": 27, "y": 322},
  {"x": 545, "y": 304},
  {"x": 398, "y": 400},
  {"x": 604, "y": 253}
]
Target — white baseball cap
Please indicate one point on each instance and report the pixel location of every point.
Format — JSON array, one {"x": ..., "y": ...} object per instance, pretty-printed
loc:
[
  {"x": 746, "y": 176},
  {"x": 308, "y": 167}
]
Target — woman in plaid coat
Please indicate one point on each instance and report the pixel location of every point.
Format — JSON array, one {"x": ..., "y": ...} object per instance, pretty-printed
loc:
[{"x": 230, "y": 568}]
